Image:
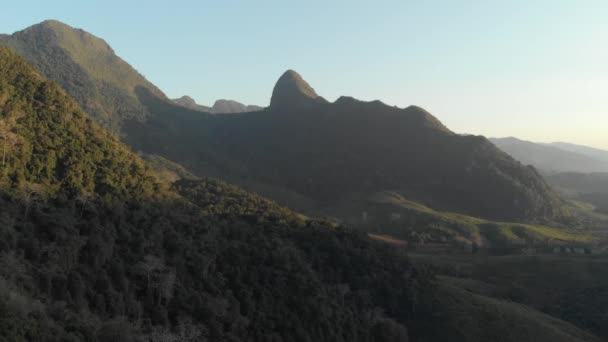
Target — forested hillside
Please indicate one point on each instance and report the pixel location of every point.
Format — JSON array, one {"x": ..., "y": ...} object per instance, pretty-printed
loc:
[
  {"x": 324, "y": 153},
  {"x": 96, "y": 246}
]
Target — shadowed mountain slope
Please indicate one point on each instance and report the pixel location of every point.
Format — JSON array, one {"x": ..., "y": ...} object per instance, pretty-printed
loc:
[
  {"x": 188, "y": 102},
  {"x": 95, "y": 248}
]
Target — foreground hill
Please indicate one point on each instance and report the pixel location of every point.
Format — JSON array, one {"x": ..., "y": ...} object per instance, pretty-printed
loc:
[
  {"x": 554, "y": 158},
  {"x": 95, "y": 248},
  {"x": 572, "y": 288}
]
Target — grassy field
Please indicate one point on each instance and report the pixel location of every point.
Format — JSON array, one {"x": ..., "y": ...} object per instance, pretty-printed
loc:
[
  {"x": 569, "y": 287},
  {"x": 392, "y": 215}
]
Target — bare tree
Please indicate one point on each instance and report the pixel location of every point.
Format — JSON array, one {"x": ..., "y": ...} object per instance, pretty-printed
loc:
[
  {"x": 84, "y": 197},
  {"x": 33, "y": 194},
  {"x": 9, "y": 139}
]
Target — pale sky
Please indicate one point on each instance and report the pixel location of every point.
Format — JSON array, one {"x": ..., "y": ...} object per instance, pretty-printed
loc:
[{"x": 537, "y": 70}]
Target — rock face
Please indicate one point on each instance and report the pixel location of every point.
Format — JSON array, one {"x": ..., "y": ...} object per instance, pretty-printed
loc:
[{"x": 293, "y": 92}]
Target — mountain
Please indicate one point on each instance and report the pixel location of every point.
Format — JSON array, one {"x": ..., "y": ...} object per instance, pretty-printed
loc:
[
  {"x": 188, "y": 102},
  {"x": 302, "y": 148},
  {"x": 553, "y": 158},
  {"x": 586, "y": 150},
  {"x": 87, "y": 68},
  {"x": 96, "y": 247},
  {"x": 219, "y": 107},
  {"x": 292, "y": 91},
  {"x": 231, "y": 107},
  {"x": 311, "y": 154},
  {"x": 591, "y": 188}
]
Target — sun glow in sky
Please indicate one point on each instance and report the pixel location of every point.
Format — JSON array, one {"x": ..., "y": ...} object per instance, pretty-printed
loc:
[{"x": 537, "y": 70}]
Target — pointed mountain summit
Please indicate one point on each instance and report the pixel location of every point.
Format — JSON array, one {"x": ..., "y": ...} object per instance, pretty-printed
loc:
[{"x": 292, "y": 91}]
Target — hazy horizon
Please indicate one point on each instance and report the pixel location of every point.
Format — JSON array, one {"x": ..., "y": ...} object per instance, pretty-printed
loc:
[{"x": 533, "y": 71}]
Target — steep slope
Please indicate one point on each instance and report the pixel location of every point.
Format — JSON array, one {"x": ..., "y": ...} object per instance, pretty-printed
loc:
[
  {"x": 551, "y": 158},
  {"x": 326, "y": 153},
  {"x": 86, "y": 67}
]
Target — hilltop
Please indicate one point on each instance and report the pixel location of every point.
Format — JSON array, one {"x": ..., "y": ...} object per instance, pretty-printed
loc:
[
  {"x": 86, "y": 67},
  {"x": 554, "y": 158}
]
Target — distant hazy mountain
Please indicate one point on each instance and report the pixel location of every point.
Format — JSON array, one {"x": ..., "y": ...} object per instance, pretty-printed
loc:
[
  {"x": 586, "y": 150},
  {"x": 96, "y": 247},
  {"x": 231, "y": 107},
  {"x": 188, "y": 102},
  {"x": 87, "y": 68},
  {"x": 219, "y": 107},
  {"x": 557, "y": 157}
]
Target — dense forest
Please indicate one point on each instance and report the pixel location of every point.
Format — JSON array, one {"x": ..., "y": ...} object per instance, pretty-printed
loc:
[{"x": 95, "y": 248}]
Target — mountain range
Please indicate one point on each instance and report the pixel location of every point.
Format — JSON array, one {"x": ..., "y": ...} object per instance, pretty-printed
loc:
[
  {"x": 100, "y": 244},
  {"x": 86, "y": 67},
  {"x": 302, "y": 150},
  {"x": 555, "y": 157},
  {"x": 96, "y": 248},
  {"x": 325, "y": 153}
]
